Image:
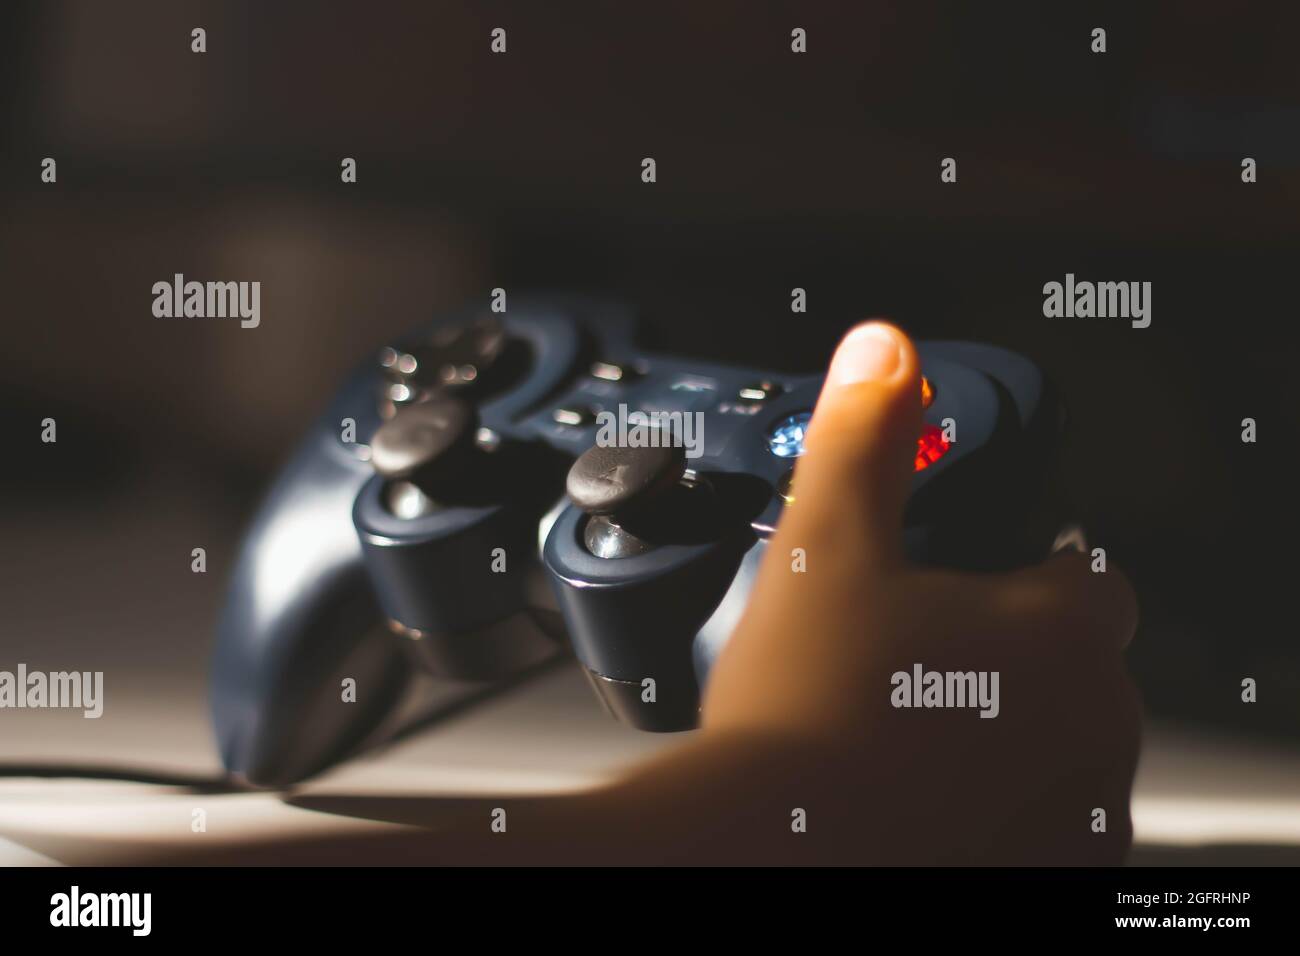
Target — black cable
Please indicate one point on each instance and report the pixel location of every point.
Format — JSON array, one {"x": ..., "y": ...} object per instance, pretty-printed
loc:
[
  {"x": 204, "y": 784},
  {"x": 196, "y": 783}
]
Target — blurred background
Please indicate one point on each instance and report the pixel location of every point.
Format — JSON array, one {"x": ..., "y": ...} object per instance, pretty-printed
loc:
[{"x": 522, "y": 171}]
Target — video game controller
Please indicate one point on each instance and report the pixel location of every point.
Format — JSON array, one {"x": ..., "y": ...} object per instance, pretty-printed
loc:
[{"x": 427, "y": 520}]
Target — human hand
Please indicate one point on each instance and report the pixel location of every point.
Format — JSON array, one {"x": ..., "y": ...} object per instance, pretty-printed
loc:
[{"x": 813, "y": 658}]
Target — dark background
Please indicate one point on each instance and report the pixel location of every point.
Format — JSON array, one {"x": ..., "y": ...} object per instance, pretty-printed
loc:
[{"x": 523, "y": 171}]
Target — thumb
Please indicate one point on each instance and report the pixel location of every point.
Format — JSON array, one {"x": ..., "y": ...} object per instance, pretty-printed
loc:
[{"x": 855, "y": 475}]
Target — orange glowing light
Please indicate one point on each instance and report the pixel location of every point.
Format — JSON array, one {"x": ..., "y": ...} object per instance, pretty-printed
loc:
[{"x": 927, "y": 392}]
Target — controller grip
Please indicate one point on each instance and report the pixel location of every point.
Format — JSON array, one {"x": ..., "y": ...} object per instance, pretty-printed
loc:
[{"x": 298, "y": 620}]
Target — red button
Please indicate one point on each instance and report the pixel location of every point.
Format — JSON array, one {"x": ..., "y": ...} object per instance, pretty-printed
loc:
[{"x": 930, "y": 447}]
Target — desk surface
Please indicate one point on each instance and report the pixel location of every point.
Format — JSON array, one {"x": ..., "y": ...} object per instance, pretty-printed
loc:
[{"x": 1198, "y": 799}]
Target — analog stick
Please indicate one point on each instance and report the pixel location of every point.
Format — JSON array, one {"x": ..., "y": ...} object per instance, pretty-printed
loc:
[
  {"x": 620, "y": 480},
  {"x": 430, "y": 445},
  {"x": 637, "y": 498}
]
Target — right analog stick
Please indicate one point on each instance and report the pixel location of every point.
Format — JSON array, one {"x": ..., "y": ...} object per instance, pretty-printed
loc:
[
  {"x": 621, "y": 480},
  {"x": 637, "y": 498}
]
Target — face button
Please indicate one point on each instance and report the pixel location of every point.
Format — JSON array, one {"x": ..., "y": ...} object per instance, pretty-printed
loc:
[
  {"x": 618, "y": 479},
  {"x": 459, "y": 354},
  {"x": 577, "y": 416},
  {"x": 785, "y": 440},
  {"x": 759, "y": 391},
  {"x": 453, "y": 357},
  {"x": 428, "y": 440},
  {"x": 930, "y": 447},
  {"x": 397, "y": 367}
]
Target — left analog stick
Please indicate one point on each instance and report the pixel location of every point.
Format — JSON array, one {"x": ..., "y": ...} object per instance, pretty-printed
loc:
[{"x": 430, "y": 444}]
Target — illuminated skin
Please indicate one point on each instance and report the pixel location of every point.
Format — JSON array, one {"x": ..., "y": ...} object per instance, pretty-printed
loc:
[{"x": 798, "y": 728}]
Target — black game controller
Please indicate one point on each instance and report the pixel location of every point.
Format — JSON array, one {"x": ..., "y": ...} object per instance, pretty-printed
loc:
[{"x": 431, "y": 497}]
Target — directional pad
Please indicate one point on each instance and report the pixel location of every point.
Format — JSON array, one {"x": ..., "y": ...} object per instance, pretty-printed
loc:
[{"x": 471, "y": 358}]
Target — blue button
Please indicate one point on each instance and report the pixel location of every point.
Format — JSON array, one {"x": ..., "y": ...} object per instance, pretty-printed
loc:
[{"x": 786, "y": 438}]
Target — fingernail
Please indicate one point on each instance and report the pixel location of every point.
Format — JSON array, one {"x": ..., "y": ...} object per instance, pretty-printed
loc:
[{"x": 870, "y": 352}]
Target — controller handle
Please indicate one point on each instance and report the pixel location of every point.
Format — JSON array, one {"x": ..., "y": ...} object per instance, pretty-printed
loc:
[
  {"x": 444, "y": 520},
  {"x": 299, "y": 619},
  {"x": 357, "y": 539},
  {"x": 642, "y": 552}
]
